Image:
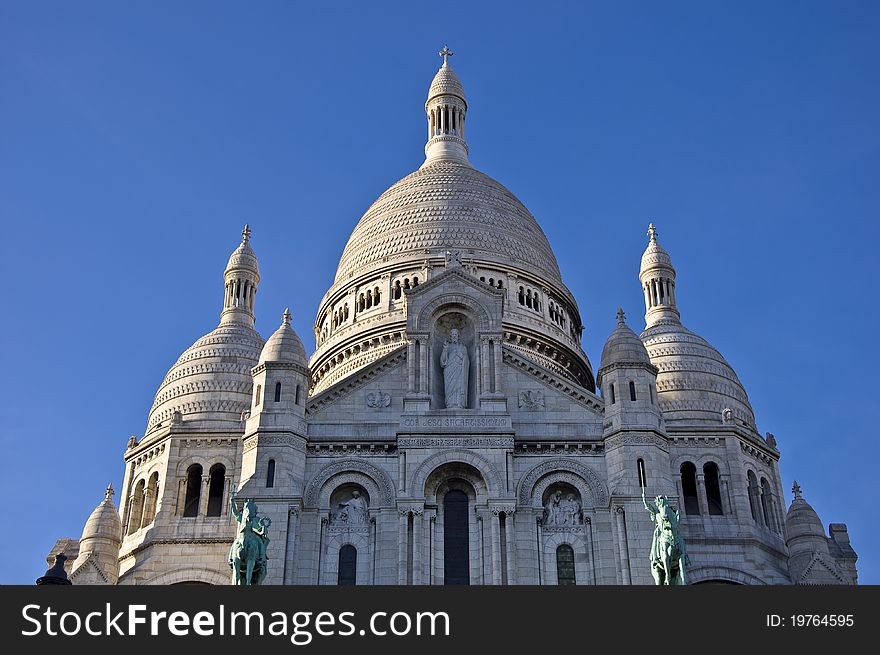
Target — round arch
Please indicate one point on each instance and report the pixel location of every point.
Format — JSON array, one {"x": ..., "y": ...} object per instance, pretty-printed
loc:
[
  {"x": 484, "y": 466},
  {"x": 180, "y": 576},
  {"x": 581, "y": 476},
  {"x": 722, "y": 574},
  {"x": 372, "y": 478}
]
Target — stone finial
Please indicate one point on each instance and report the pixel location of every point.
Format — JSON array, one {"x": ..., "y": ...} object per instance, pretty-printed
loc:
[
  {"x": 246, "y": 233},
  {"x": 108, "y": 492},
  {"x": 285, "y": 317},
  {"x": 132, "y": 441},
  {"x": 796, "y": 490},
  {"x": 621, "y": 317},
  {"x": 770, "y": 439},
  {"x": 652, "y": 232},
  {"x": 446, "y": 53}
]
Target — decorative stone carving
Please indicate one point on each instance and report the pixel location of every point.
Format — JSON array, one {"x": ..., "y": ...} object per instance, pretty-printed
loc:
[
  {"x": 588, "y": 478},
  {"x": 562, "y": 510},
  {"x": 727, "y": 415},
  {"x": 453, "y": 259},
  {"x": 351, "y": 512},
  {"x": 771, "y": 440},
  {"x": 176, "y": 417},
  {"x": 532, "y": 400},
  {"x": 455, "y": 363},
  {"x": 378, "y": 399}
]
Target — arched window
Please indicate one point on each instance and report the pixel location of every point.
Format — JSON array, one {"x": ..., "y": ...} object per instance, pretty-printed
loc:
[
  {"x": 713, "y": 489},
  {"x": 376, "y": 295},
  {"x": 456, "y": 551},
  {"x": 565, "y": 565},
  {"x": 500, "y": 284},
  {"x": 369, "y": 299},
  {"x": 136, "y": 509},
  {"x": 613, "y": 395},
  {"x": 521, "y": 297},
  {"x": 257, "y": 395},
  {"x": 215, "y": 490},
  {"x": 767, "y": 503},
  {"x": 689, "y": 488},
  {"x": 397, "y": 290},
  {"x": 753, "y": 494},
  {"x": 151, "y": 497},
  {"x": 632, "y": 390},
  {"x": 406, "y": 283},
  {"x": 529, "y": 298},
  {"x": 270, "y": 474},
  {"x": 296, "y": 398},
  {"x": 277, "y": 392},
  {"x": 415, "y": 280},
  {"x": 642, "y": 473},
  {"x": 193, "y": 490},
  {"x": 348, "y": 557}
]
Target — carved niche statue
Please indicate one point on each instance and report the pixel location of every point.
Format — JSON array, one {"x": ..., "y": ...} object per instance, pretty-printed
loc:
[
  {"x": 353, "y": 512},
  {"x": 561, "y": 512},
  {"x": 455, "y": 362},
  {"x": 247, "y": 554},
  {"x": 669, "y": 558}
]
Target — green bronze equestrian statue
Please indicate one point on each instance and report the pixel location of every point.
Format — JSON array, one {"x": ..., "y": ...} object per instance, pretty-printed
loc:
[
  {"x": 247, "y": 555},
  {"x": 669, "y": 557}
]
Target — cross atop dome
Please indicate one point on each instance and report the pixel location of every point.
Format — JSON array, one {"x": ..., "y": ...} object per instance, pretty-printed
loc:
[
  {"x": 621, "y": 317},
  {"x": 285, "y": 317},
  {"x": 246, "y": 233},
  {"x": 652, "y": 232},
  {"x": 796, "y": 490},
  {"x": 108, "y": 493},
  {"x": 446, "y": 53}
]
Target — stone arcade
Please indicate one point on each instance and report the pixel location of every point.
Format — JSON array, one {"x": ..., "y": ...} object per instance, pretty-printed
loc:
[{"x": 448, "y": 428}]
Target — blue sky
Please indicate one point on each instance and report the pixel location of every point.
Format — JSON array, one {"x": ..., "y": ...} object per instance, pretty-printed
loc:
[{"x": 137, "y": 138}]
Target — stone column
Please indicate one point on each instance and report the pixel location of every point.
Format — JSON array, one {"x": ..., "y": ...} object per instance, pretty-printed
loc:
[
  {"x": 418, "y": 546},
  {"x": 423, "y": 366},
  {"x": 411, "y": 366},
  {"x": 701, "y": 495},
  {"x": 401, "y": 546},
  {"x": 498, "y": 364},
  {"x": 510, "y": 538},
  {"x": 729, "y": 507},
  {"x": 290, "y": 554},
  {"x": 484, "y": 365},
  {"x": 540, "y": 537},
  {"x": 622, "y": 545},
  {"x": 496, "y": 547},
  {"x": 203, "y": 501}
]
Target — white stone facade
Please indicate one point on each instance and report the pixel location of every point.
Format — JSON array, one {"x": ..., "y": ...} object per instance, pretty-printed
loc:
[{"x": 369, "y": 478}]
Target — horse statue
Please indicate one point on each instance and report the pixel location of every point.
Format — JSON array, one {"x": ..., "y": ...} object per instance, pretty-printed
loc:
[
  {"x": 247, "y": 555},
  {"x": 669, "y": 557}
]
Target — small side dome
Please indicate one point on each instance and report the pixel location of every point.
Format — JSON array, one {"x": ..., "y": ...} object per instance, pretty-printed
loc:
[
  {"x": 623, "y": 346},
  {"x": 284, "y": 345},
  {"x": 803, "y": 528},
  {"x": 104, "y": 521}
]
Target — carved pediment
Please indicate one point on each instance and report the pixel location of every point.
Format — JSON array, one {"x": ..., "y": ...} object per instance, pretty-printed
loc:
[{"x": 454, "y": 287}]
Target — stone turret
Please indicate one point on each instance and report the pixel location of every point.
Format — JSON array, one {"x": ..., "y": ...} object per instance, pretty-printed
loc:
[
  {"x": 99, "y": 545},
  {"x": 446, "y": 108},
  {"x": 810, "y": 558}
]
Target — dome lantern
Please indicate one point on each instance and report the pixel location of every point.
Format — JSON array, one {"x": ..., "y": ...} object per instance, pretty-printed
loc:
[
  {"x": 446, "y": 109},
  {"x": 658, "y": 282},
  {"x": 241, "y": 278}
]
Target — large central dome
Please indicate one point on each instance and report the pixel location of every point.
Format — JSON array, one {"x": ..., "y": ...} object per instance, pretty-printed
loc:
[
  {"x": 446, "y": 210},
  {"x": 447, "y": 204}
]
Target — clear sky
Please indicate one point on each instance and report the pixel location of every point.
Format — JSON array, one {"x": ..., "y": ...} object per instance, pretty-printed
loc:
[{"x": 137, "y": 138}]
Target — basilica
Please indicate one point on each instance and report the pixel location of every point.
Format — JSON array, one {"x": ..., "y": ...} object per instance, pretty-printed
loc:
[{"x": 449, "y": 428}]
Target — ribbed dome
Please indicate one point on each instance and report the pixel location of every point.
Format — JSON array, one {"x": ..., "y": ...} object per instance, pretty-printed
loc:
[
  {"x": 243, "y": 257},
  {"x": 284, "y": 345},
  {"x": 448, "y": 204},
  {"x": 655, "y": 255},
  {"x": 211, "y": 381},
  {"x": 694, "y": 383},
  {"x": 803, "y": 528},
  {"x": 446, "y": 82},
  {"x": 104, "y": 521},
  {"x": 623, "y": 346}
]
